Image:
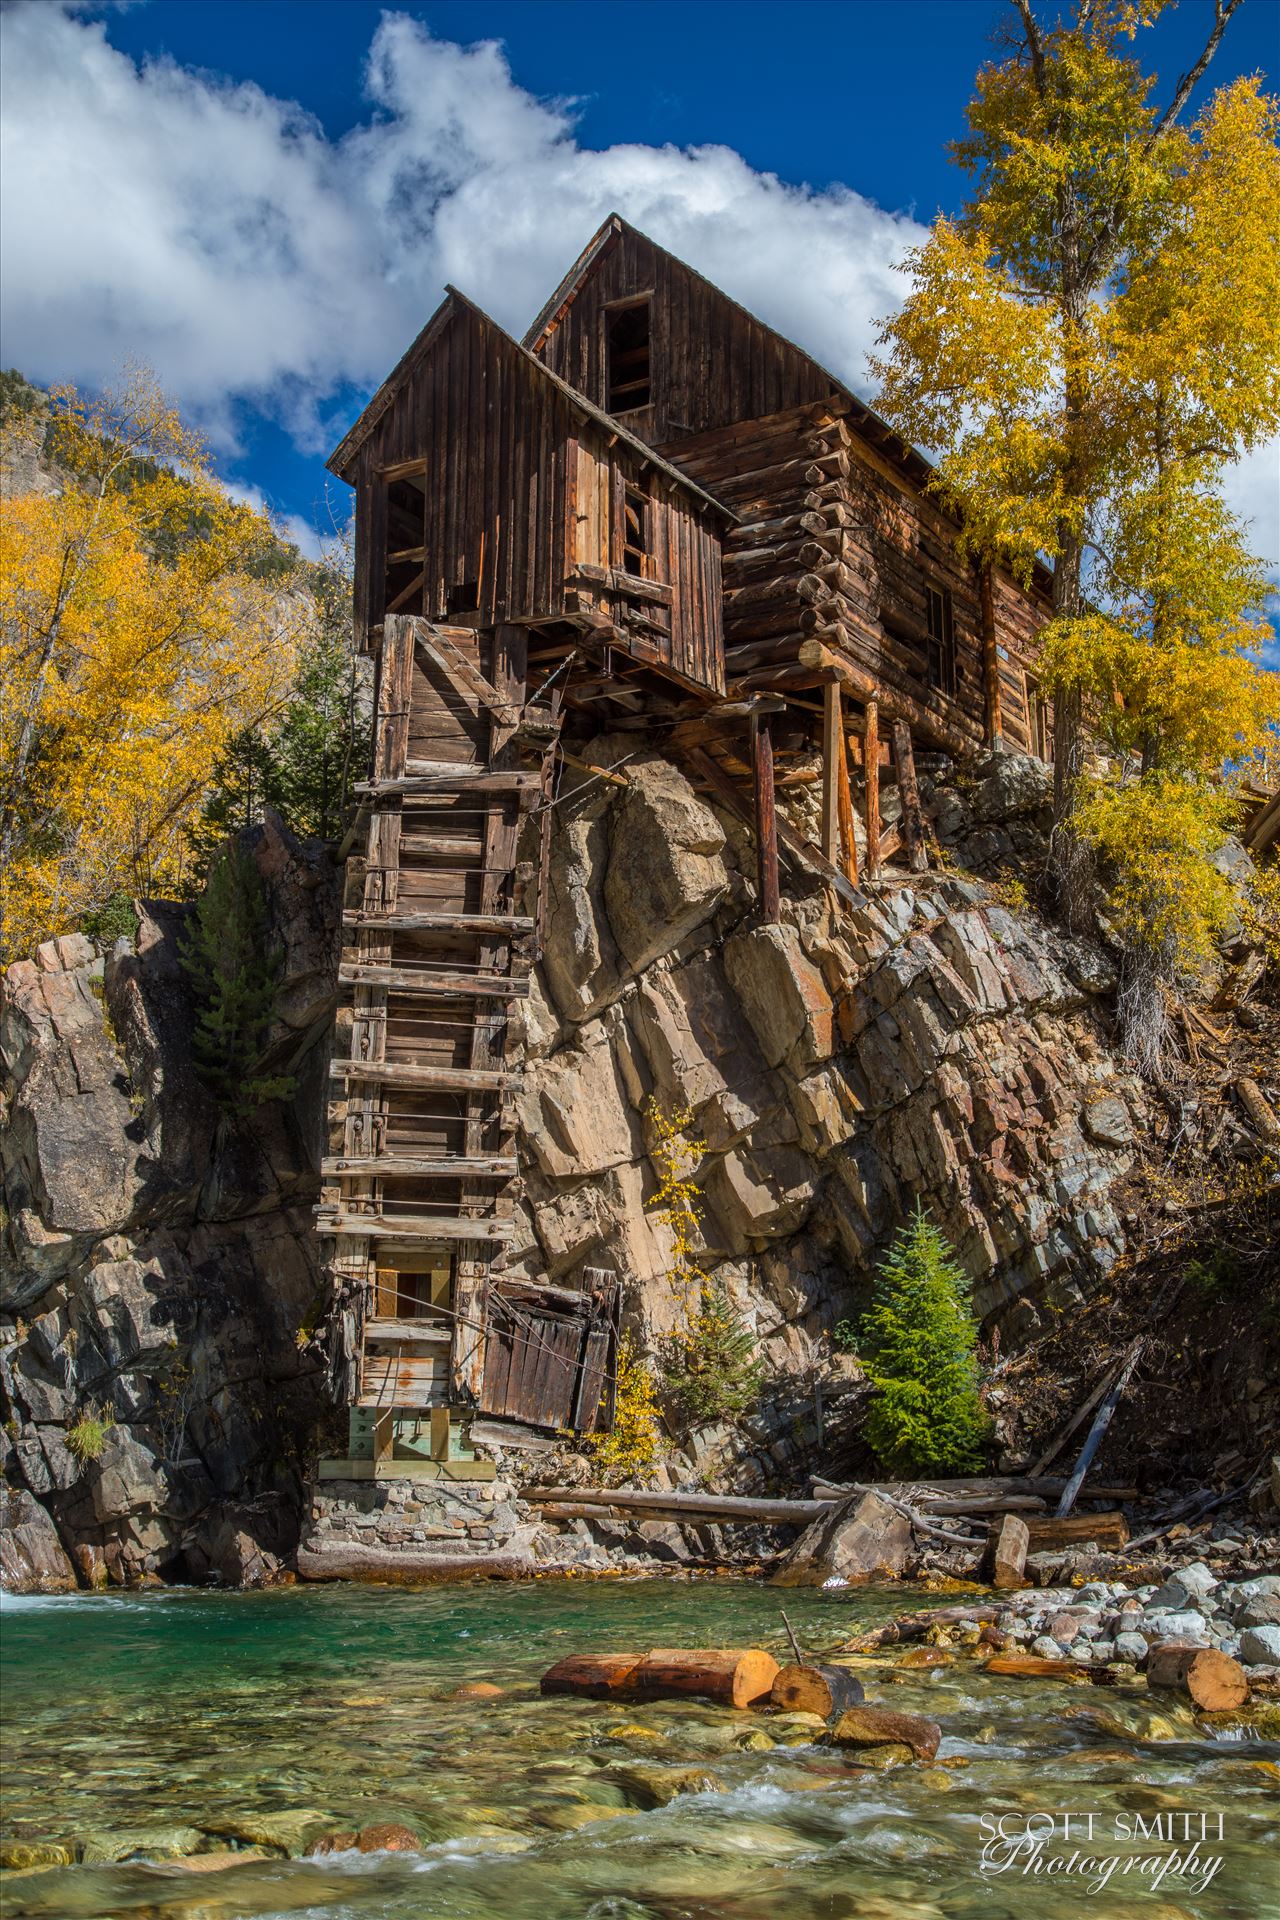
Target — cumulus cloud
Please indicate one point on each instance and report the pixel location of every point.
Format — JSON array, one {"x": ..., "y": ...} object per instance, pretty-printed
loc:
[
  {"x": 218, "y": 234},
  {"x": 215, "y": 232}
]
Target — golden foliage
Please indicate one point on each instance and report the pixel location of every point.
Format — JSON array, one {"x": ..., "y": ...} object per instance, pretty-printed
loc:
[
  {"x": 136, "y": 637},
  {"x": 1159, "y": 835},
  {"x": 677, "y": 1202},
  {"x": 630, "y": 1447}
]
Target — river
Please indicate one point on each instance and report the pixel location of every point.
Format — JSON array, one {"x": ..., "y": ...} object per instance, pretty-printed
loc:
[{"x": 138, "y": 1727}]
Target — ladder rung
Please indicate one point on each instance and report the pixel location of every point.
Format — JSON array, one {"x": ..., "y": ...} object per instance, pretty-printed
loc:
[
  {"x": 410, "y": 1226},
  {"x": 496, "y": 923},
  {"x": 428, "y": 1330},
  {"x": 393, "y": 1166},
  {"x": 495, "y": 986},
  {"x": 406, "y": 1074}
]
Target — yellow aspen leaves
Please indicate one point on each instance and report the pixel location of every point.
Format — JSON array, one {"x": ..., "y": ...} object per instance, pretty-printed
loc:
[{"x": 139, "y": 629}]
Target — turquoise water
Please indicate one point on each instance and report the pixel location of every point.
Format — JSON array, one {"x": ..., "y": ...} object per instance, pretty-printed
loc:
[{"x": 142, "y": 1730}]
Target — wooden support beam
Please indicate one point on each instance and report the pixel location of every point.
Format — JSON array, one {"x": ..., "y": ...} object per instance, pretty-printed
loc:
[
  {"x": 411, "y": 1226},
  {"x": 384, "y": 1438},
  {"x": 404, "y": 1074},
  {"x": 453, "y": 780},
  {"x": 766, "y": 819},
  {"x": 433, "y": 1332},
  {"x": 397, "y": 1166},
  {"x": 817, "y": 657},
  {"x": 832, "y": 755},
  {"x": 505, "y": 924},
  {"x": 484, "y": 986},
  {"x": 909, "y": 793},
  {"x": 844, "y": 809},
  {"x": 466, "y": 678},
  {"x": 871, "y": 771}
]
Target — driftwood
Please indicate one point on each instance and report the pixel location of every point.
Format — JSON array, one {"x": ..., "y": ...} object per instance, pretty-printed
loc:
[
  {"x": 1211, "y": 1680},
  {"x": 1010, "y": 1544},
  {"x": 1109, "y": 1530},
  {"x": 807, "y": 1688},
  {"x": 592, "y": 1676},
  {"x": 914, "y": 1626},
  {"x": 734, "y": 1676},
  {"x": 1101, "y": 1421},
  {"x": 1031, "y": 1666},
  {"x": 977, "y": 1488},
  {"x": 1262, "y": 1115}
]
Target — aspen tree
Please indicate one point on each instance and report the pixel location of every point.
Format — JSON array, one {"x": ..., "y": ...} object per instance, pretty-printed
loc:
[{"x": 1086, "y": 349}]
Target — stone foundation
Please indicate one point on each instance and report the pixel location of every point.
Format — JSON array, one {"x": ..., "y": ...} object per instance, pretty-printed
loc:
[{"x": 415, "y": 1528}]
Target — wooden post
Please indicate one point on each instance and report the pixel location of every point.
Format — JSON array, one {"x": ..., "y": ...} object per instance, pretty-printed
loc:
[
  {"x": 832, "y": 754},
  {"x": 912, "y": 822},
  {"x": 844, "y": 804},
  {"x": 871, "y": 773},
  {"x": 990, "y": 658},
  {"x": 384, "y": 1439},
  {"x": 766, "y": 818}
]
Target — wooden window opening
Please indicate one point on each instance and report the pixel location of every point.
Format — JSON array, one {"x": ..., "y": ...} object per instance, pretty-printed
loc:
[
  {"x": 1039, "y": 727},
  {"x": 942, "y": 640},
  {"x": 636, "y": 530},
  {"x": 404, "y": 536},
  {"x": 627, "y": 340}
]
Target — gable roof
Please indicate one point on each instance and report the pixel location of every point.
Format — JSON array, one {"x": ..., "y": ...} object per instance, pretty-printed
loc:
[
  {"x": 868, "y": 422},
  {"x": 454, "y": 303}
]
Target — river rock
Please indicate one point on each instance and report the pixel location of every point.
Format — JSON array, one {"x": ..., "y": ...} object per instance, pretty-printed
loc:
[
  {"x": 1189, "y": 1587},
  {"x": 649, "y": 1787},
  {"x": 1260, "y": 1647},
  {"x": 1131, "y": 1647},
  {"x": 387, "y": 1837}
]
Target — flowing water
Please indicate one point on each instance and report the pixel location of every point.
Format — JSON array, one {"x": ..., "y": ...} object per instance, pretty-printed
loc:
[{"x": 142, "y": 1729}]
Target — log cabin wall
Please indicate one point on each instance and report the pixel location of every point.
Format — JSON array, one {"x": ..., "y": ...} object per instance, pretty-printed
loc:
[
  {"x": 486, "y": 495},
  {"x": 837, "y": 542}
]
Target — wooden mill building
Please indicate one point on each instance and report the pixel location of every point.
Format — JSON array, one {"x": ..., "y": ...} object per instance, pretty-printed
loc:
[{"x": 653, "y": 514}]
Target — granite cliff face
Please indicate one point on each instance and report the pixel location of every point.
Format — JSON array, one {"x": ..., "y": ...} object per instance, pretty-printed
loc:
[{"x": 162, "y": 1272}]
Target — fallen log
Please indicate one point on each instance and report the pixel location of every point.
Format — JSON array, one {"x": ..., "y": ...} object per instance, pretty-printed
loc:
[
  {"x": 1211, "y": 1680},
  {"x": 1107, "y": 1529},
  {"x": 914, "y": 1626},
  {"x": 1010, "y": 1544},
  {"x": 733, "y": 1676},
  {"x": 707, "y": 1506},
  {"x": 979, "y": 1488},
  {"x": 1032, "y": 1666},
  {"x": 806, "y": 1688},
  {"x": 591, "y": 1676},
  {"x": 1101, "y": 1421},
  {"x": 1261, "y": 1114},
  {"x": 877, "y": 1727}
]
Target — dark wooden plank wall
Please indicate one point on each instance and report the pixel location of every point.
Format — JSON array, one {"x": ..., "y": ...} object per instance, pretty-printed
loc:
[
  {"x": 500, "y": 444},
  {"x": 711, "y": 362}
]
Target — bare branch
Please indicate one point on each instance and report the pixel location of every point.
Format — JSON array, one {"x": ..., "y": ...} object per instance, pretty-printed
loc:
[
  {"x": 1222, "y": 12},
  {"x": 1034, "y": 47}
]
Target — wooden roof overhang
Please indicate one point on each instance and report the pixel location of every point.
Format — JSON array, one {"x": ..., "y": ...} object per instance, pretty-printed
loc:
[{"x": 342, "y": 460}]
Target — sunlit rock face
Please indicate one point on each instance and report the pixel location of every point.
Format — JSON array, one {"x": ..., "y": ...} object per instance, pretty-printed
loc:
[{"x": 162, "y": 1271}]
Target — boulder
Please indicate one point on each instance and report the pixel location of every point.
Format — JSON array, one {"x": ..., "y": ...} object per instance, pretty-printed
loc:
[
  {"x": 1260, "y": 1647},
  {"x": 32, "y": 1559},
  {"x": 783, "y": 996},
  {"x": 862, "y": 1538},
  {"x": 667, "y": 870}
]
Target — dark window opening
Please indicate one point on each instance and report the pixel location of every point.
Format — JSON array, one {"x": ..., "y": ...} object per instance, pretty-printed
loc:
[
  {"x": 1039, "y": 721},
  {"x": 463, "y": 598},
  {"x": 627, "y": 338},
  {"x": 942, "y": 640},
  {"x": 405, "y": 535},
  {"x": 635, "y": 530}
]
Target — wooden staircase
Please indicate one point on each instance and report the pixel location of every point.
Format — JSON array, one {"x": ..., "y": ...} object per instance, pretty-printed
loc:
[{"x": 416, "y": 1194}]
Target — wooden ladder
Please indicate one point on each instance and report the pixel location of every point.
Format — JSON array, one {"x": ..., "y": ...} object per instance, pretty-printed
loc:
[{"x": 416, "y": 1191}]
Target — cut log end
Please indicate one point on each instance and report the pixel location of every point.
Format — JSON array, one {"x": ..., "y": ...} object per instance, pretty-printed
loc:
[
  {"x": 1211, "y": 1680},
  {"x": 812, "y": 1689}
]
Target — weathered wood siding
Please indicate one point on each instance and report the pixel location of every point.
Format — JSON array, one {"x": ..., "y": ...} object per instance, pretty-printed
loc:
[
  {"x": 711, "y": 362},
  {"x": 516, "y": 497}
]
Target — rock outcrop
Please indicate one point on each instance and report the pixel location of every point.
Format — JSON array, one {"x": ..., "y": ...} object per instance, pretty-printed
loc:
[{"x": 160, "y": 1272}]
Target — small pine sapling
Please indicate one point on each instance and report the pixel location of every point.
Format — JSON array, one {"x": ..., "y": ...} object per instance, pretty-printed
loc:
[
  {"x": 919, "y": 1341},
  {"x": 234, "y": 971},
  {"x": 712, "y": 1369}
]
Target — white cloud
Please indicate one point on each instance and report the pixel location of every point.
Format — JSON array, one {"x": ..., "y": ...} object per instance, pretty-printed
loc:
[{"x": 216, "y": 233}]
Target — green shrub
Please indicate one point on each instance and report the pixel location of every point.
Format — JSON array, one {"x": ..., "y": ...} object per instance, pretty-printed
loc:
[
  {"x": 234, "y": 971},
  {"x": 919, "y": 1341},
  {"x": 87, "y": 1435},
  {"x": 114, "y": 920},
  {"x": 710, "y": 1370}
]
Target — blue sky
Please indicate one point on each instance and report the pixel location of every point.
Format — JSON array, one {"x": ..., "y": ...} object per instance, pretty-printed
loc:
[{"x": 262, "y": 198}]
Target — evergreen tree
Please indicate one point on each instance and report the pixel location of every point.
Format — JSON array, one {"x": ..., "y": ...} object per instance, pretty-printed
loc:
[
  {"x": 712, "y": 1368},
  {"x": 234, "y": 972},
  {"x": 919, "y": 1342}
]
